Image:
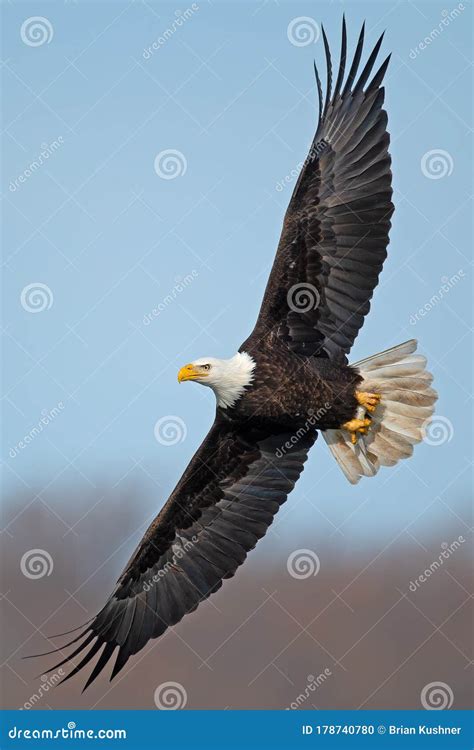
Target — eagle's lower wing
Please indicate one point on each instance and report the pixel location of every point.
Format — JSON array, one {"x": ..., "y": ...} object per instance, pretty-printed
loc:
[
  {"x": 335, "y": 231},
  {"x": 223, "y": 504}
]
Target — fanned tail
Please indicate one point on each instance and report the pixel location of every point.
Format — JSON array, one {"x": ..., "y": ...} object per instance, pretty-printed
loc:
[{"x": 406, "y": 404}]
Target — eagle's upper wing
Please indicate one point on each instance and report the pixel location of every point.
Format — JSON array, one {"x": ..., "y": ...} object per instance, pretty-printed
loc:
[
  {"x": 224, "y": 502},
  {"x": 335, "y": 231}
]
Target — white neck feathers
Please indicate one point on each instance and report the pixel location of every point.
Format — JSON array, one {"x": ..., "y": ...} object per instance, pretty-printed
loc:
[{"x": 231, "y": 378}]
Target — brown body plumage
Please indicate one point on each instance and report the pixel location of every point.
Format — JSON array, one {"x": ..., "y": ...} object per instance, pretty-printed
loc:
[{"x": 308, "y": 390}]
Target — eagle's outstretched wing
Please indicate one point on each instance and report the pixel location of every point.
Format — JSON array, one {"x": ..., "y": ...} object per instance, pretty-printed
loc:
[
  {"x": 223, "y": 504},
  {"x": 335, "y": 231}
]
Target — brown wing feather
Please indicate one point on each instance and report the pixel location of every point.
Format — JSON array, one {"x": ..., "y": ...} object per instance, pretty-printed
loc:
[
  {"x": 335, "y": 231},
  {"x": 223, "y": 504}
]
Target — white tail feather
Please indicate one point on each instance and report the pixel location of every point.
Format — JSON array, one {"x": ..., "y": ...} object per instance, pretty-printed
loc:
[{"x": 407, "y": 401}]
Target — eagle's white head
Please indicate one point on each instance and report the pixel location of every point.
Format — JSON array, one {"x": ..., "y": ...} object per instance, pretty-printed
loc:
[{"x": 228, "y": 378}]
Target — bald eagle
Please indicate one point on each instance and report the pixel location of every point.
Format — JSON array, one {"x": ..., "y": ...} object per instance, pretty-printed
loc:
[{"x": 289, "y": 380}]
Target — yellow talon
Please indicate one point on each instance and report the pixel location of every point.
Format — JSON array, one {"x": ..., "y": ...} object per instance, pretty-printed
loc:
[
  {"x": 356, "y": 427},
  {"x": 368, "y": 400}
]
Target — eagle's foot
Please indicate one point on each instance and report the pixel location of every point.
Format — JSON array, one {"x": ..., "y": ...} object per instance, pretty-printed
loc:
[
  {"x": 368, "y": 400},
  {"x": 356, "y": 427}
]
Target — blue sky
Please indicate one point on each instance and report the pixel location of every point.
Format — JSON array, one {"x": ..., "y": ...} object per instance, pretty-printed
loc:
[{"x": 110, "y": 240}]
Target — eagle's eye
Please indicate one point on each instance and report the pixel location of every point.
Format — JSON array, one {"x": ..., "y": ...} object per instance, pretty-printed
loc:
[{"x": 206, "y": 367}]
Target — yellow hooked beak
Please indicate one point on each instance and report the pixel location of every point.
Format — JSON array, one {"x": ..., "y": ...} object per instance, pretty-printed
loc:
[{"x": 190, "y": 372}]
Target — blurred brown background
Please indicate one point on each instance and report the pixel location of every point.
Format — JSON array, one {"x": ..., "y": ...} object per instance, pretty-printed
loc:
[{"x": 262, "y": 638}]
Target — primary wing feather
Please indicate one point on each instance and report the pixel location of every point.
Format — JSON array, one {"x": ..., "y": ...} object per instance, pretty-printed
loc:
[
  {"x": 223, "y": 504},
  {"x": 336, "y": 227}
]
